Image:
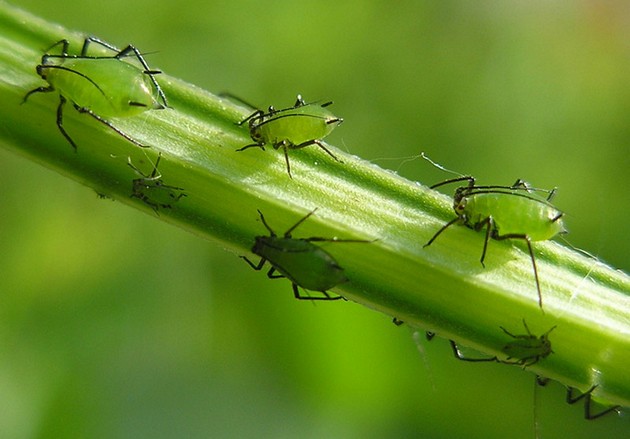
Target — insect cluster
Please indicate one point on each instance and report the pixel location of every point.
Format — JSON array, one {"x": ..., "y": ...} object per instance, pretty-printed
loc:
[{"x": 123, "y": 85}]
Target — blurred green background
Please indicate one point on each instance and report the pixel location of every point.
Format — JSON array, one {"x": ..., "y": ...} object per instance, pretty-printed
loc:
[{"x": 113, "y": 324}]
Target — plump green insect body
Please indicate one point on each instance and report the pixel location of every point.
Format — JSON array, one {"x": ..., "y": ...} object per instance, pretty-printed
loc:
[
  {"x": 305, "y": 264},
  {"x": 101, "y": 86},
  {"x": 108, "y": 87},
  {"x": 300, "y": 261},
  {"x": 527, "y": 349},
  {"x": 152, "y": 191},
  {"x": 295, "y": 127},
  {"x": 506, "y": 212},
  {"x": 513, "y": 213}
]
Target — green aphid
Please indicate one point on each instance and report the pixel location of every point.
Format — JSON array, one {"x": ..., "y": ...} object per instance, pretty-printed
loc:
[
  {"x": 305, "y": 264},
  {"x": 101, "y": 86},
  {"x": 528, "y": 349},
  {"x": 587, "y": 396},
  {"x": 151, "y": 189},
  {"x": 506, "y": 212},
  {"x": 295, "y": 127}
]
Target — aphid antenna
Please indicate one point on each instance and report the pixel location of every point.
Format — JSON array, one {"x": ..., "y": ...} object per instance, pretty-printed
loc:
[
  {"x": 267, "y": 226},
  {"x": 319, "y": 239},
  {"x": 287, "y": 234},
  {"x": 252, "y": 118},
  {"x": 236, "y": 99},
  {"x": 437, "y": 165}
]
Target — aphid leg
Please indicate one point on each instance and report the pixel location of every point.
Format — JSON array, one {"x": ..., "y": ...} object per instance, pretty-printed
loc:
[
  {"x": 104, "y": 122},
  {"x": 587, "y": 403},
  {"x": 489, "y": 223},
  {"x": 321, "y": 145},
  {"x": 286, "y": 159},
  {"x": 42, "y": 89},
  {"x": 62, "y": 102},
  {"x": 397, "y": 322},
  {"x": 444, "y": 227},
  {"x": 287, "y": 234},
  {"x": 89, "y": 40},
  {"x": 458, "y": 354},
  {"x": 256, "y": 267},
  {"x": 154, "y": 175},
  {"x": 531, "y": 255},
  {"x": 429, "y": 335},
  {"x": 123, "y": 53},
  {"x": 259, "y": 145},
  {"x": 271, "y": 274},
  {"x": 262, "y": 218},
  {"x": 147, "y": 70},
  {"x": 326, "y": 296},
  {"x": 318, "y": 143}
]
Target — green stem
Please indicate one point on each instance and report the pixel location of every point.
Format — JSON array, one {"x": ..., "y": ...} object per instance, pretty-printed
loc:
[{"x": 441, "y": 288}]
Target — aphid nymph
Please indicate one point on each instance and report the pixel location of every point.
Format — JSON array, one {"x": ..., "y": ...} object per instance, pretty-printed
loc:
[
  {"x": 527, "y": 349},
  {"x": 305, "y": 264},
  {"x": 506, "y": 212},
  {"x": 101, "y": 86},
  {"x": 151, "y": 189},
  {"x": 295, "y": 127}
]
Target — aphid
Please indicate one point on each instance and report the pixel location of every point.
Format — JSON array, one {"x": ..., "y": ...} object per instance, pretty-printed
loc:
[
  {"x": 101, "y": 86},
  {"x": 587, "y": 403},
  {"x": 151, "y": 189},
  {"x": 527, "y": 349},
  {"x": 295, "y": 127},
  {"x": 305, "y": 264},
  {"x": 506, "y": 212}
]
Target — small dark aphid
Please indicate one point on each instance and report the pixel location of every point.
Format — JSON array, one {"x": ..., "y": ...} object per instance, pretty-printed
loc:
[
  {"x": 151, "y": 189},
  {"x": 527, "y": 350},
  {"x": 506, "y": 212},
  {"x": 587, "y": 403},
  {"x": 295, "y": 127},
  {"x": 299, "y": 260},
  {"x": 101, "y": 86}
]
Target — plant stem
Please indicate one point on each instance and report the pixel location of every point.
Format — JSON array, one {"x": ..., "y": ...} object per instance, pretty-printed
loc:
[{"x": 442, "y": 288}]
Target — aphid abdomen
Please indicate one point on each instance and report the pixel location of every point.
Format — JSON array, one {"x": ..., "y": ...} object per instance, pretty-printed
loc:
[
  {"x": 108, "y": 87},
  {"x": 303, "y": 263},
  {"x": 513, "y": 214}
]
